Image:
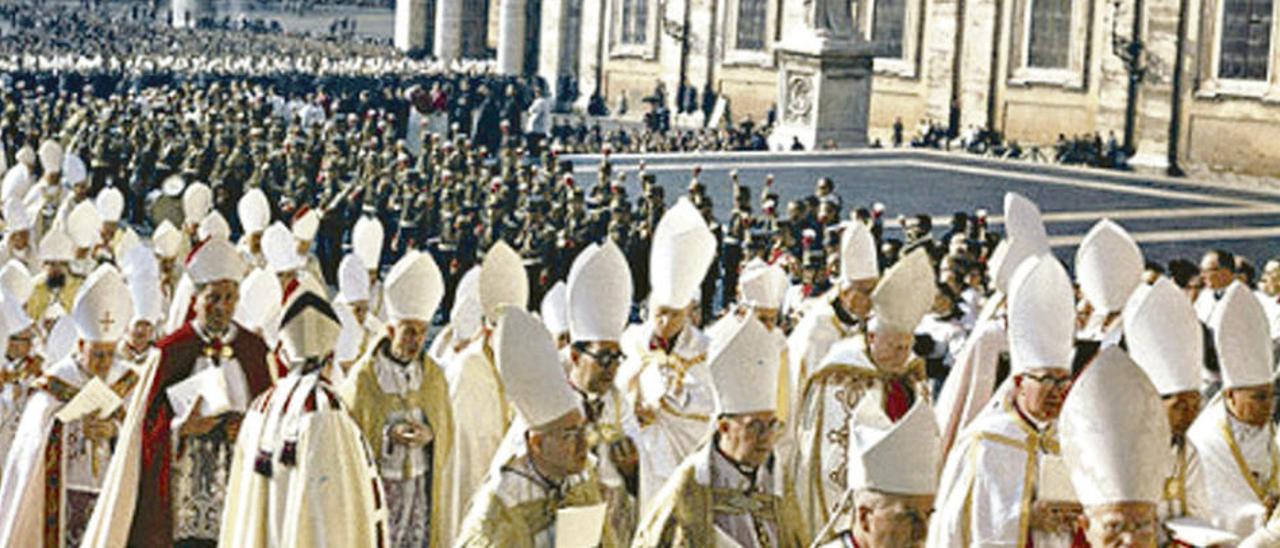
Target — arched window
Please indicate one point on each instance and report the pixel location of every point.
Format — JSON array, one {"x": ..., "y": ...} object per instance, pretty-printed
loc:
[
  {"x": 1246, "y": 39},
  {"x": 1049, "y": 34}
]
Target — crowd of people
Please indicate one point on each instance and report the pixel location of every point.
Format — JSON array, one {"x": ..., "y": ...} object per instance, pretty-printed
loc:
[
  {"x": 1083, "y": 150},
  {"x": 337, "y": 297}
]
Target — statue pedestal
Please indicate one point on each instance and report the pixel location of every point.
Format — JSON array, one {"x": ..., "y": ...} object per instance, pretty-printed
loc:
[{"x": 824, "y": 93}]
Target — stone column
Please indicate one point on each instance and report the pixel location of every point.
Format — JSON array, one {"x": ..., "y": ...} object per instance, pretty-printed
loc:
[
  {"x": 448, "y": 46},
  {"x": 591, "y": 52},
  {"x": 511, "y": 37},
  {"x": 1155, "y": 95},
  {"x": 412, "y": 18}
]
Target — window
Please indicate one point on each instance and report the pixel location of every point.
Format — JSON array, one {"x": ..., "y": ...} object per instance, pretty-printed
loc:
[
  {"x": 635, "y": 22},
  {"x": 1049, "y": 36},
  {"x": 888, "y": 18},
  {"x": 1246, "y": 39},
  {"x": 751, "y": 25}
]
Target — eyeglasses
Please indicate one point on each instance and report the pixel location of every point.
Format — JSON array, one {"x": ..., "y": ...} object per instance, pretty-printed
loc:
[
  {"x": 1051, "y": 382},
  {"x": 607, "y": 359},
  {"x": 760, "y": 429}
]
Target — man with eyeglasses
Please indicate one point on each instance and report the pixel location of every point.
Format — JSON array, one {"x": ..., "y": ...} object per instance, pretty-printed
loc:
[
  {"x": 730, "y": 490},
  {"x": 1234, "y": 434},
  {"x": 882, "y": 363},
  {"x": 892, "y": 479},
  {"x": 1112, "y": 446},
  {"x": 989, "y": 494},
  {"x": 1217, "y": 270},
  {"x": 1164, "y": 339},
  {"x": 521, "y": 502}
]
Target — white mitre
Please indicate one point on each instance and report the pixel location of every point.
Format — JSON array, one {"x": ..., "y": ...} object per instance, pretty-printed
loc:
[
  {"x": 744, "y": 368},
  {"x": 1108, "y": 266},
  {"x": 414, "y": 288},
  {"x": 898, "y": 458},
  {"x": 102, "y": 306},
  {"x": 1241, "y": 335},
  {"x": 858, "y": 258},
  {"x": 1164, "y": 337},
  {"x": 1041, "y": 316},
  {"x": 503, "y": 280},
  {"x": 762, "y": 285},
  {"x": 599, "y": 294},
  {"x": 905, "y": 294},
  {"x": 1114, "y": 432},
  {"x": 529, "y": 365},
  {"x": 683, "y": 248}
]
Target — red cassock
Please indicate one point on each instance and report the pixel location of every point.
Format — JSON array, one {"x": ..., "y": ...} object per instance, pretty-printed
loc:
[{"x": 153, "y": 518}]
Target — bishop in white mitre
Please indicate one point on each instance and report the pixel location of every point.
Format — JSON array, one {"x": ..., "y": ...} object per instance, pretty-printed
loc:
[
  {"x": 1108, "y": 267},
  {"x": 359, "y": 327},
  {"x": 302, "y": 474},
  {"x": 254, "y": 212},
  {"x": 1234, "y": 434},
  {"x": 665, "y": 373},
  {"x": 65, "y": 436},
  {"x": 21, "y": 365},
  {"x": 881, "y": 361},
  {"x": 988, "y": 493},
  {"x": 1164, "y": 338},
  {"x": 892, "y": 479}
]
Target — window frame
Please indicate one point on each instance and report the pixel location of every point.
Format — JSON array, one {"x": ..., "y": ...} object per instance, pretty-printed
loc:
[
  {"x": 1073, "y": 76},
  {"x": 647, "y": 50},
  {"x": 1213, "y": 85},
  {"x": 734, "y": 55},
  {"x": 906, "y": 65}
]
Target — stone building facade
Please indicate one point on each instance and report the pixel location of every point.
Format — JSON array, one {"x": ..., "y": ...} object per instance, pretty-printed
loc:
[{"x": 1189, "y": 83}]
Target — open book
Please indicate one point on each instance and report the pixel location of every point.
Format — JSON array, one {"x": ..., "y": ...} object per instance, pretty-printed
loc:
[
  {"x": 94, "y": 398},
  {"x": 580, "y": 526},
  {"x": 210, "y": 386}
]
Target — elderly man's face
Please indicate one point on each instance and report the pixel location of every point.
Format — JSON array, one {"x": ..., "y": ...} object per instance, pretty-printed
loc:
[
  {"x": 668, "y": 322},
  {"x": 855, "y": 297},
  {"x": 594, "y": 365},
  {"x": 1121, "y": 525},
  {"x": 559, "y": 449},
  {"x": 20, "y": 239},
  {"x": 21, "y": 343},
  {"x": 98, "y": 356},
  {"x": 1182, "y": 409},
  {"x": 747, "y": 439},
  {"x": 885, "y": 520},
  {"x": 407, "y": 338},
  {"x": 1215, "y": 275},
  {"x": 216, "y": 304},
  {"x": 1252, "y": 405},
  {"x": 140, "y": 334},
  {"x": 1271, "y": 278},
  {"x": 890, "y": 349},
  {"x": 1040, "y": 392}
]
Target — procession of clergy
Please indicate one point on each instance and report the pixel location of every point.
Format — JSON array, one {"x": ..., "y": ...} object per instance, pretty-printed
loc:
[{"x": 186, "y": 390}]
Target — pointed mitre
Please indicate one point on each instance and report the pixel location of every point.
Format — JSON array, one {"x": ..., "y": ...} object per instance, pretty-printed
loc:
[
  {"x": 56, "y": 246},
  {"x": 532, "y": 376},
  {"x": 167, "y": 240},
  {"x": 414, "y": 288},
  {"x": 15, "y": 317},
  {"x": 503, "y": 281},
  {"x": 147, "y": 298},
  {"x": 254, "y": 211},
  {"x": 1108, "y": 266},
  {"x": 744, "y": 368},
  {"x": 74, "y": 171},
  {"x": 762, "y": 285},
  {"x": 215, "y": 260},
  {"x": 51, "y": 156},
  {"x": 1041, "y": 316},
  {"x": 1164, "y": 337},
  {"x": 1022, "y": 221},
  {"x": 15, "y": 281},
  {"x": 467, "y": 315},
  {"x": 554, "y": 309},
  {"x": 366, "y": 241},
  {"x": 353, "y": 280},
  {"x": 280, "y": 249},
  {"x": 305, "y": 224},
  {"x": 308, "y": 326},
  {"x": 110, "y": 204},
  {"x": 16, "y": 218},
  {"x": 213, "y": 225},
  {"x": 1242, "y": 338},
  {"x": 897, "y": 458},
  {"x": 905, "y": 293},
  {"x": 139, "y": 262},
  {"x": 197, "y": 200},
  {"x": 1114, "y": 434},
  {"x": 260, "y": 297},
  {"x": 84, "y": 225},
  {"x": 1007, "y": 257},
  {"x": 102, "y": 307},
  {"x": 858, "y": 258},
  {"x": 599, "y": 294},
  {"x": 683, "y": 248}
]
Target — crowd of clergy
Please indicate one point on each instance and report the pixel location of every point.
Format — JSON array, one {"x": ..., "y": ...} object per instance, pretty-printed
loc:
[{"x": 182, "y": 389}]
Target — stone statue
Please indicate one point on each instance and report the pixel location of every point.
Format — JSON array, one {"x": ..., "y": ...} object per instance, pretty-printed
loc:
[{"x": 832, "y": 18}]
